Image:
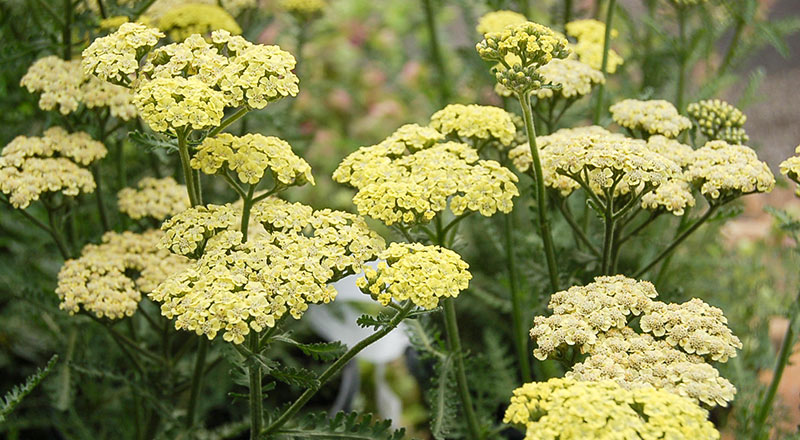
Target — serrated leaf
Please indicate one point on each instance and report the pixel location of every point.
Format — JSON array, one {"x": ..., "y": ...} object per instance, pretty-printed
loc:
[
  {"x": 320, "y": 351},
  {"x": 352, "y": 426},
  {"x": 13, "y": 397},
  {"x": 374, "y": 321},
  {"x": 153, "y": 141},
  {"x": 295, "y": 376}
]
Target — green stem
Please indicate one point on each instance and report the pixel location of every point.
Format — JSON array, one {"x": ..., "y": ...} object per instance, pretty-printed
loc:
[
  {"x": 765, "y": 408},
  {"x": 454, "y": 342},
  {"x": 101, "y": 206},
  {"x": 609, "y": 234},
  {"x": 567, "y": 13},
  {"x": 247, "y": 205},
  {"x": 443, "y": 83},
  {"x": 681, "y": 58},
  {"x": 56, "y": 234},
  {"x": 66, "y": 30},
  {"x": 228, "y": 121},
  {"x": 541, "y": 201},
  {"x": 256, "y": 404},
  {"x": 678, "y": 240},
  {"x": 337, "y": 366},
  {"x": 517, "y": 303},
  {"x": 197, "y": 379},
  {"x": 598, "y": 109},
  {"x": 188, "y": 176},
  {"x": 577, "y": 228},
  {"x": 737, "y": 35}
]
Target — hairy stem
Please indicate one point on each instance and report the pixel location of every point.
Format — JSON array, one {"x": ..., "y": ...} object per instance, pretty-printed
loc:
[
  {"x": 188, "y": 175},
  {"x": 598, "y": 109}
]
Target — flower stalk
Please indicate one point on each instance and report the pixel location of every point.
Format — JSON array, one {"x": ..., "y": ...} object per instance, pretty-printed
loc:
[{"x": 598, "y": 109}]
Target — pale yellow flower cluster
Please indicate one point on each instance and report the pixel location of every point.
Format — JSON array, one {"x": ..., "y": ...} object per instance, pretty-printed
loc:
[
  {"x": 723, "y": 171},
  {"x": 303, "y": 7},
  {"x": 566, "y": 409},
  {"x": 638, "y": 360},
  {"x": 181, "y": 22},
  {"x": 234, "y": 287},
  {"x": 791, "y": 167},
  {"x": 496, "y": 21},
  {"x": 674, "y": 196},
  {"x": 521, "y": 50},
  {"x": 590, "y": 36},
  {"x": 101, "y": 280},
  {"x": 673, "y": 352},
  {"x": 678, "y": 152},
  {"x": 161, "y": 7},
  {"x": 655, "y": 116},
  {"x": 479, "y": 125},
  {"x": 409, "y": 178},
  {"x": 571, "y": 78},
  {"x": 250, "y": 156},
  {"x": 64, "y": 85},
  {"x": 179, "y": 103},
  {"x": 718, "y": 120},
  {"x": 55, "y": 162},
  {"x": 115, "y": 58},
  {"x": 156, "y": 198},
  {"x": 421, "y": 274}
]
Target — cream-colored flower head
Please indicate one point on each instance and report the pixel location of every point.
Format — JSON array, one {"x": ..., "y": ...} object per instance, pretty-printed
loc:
[
  {"x": 718, "y": 120},
  {"x": 251, "y": 156},
  {"x": 569, "y": 409},
  {"x": 193, "y": 18},
  {"x": 791, "y": 167},
  {"x": 64, "y": 85},
  {"x": 645, "y": 118},
  {"x": 674, "y": 196},
  {"x": 172, "y": 104},
  {"x": 421, "y": 274},
  {"x": 522, "y": 49},
  {"x": 55, "y": 162},
  {"x": 303, "y": 8},
  {"x": 496, "y": 21},
  {"x": 102, "y": 280},
  {"x": 672, "y": 149},
  {"x": 638, "y": 360},
  {"x": 570, "y": 79},
  {"x": 156, "y": 198},
  {"x": 235, "y": 287},
  {"x": 115, "y": 58},
  {"x": 723, "y": 171},
  {"x": 590, "y": 36},
  {"x": 409, "y": 178},
  {"x": 478, "y": 125},
  {"x": 582, "y": 312}
]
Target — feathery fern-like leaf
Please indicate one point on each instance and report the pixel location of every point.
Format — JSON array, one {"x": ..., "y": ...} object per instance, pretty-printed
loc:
[
  {"x": 351, "y": 426},
  {"x": 18, "y": 392}
]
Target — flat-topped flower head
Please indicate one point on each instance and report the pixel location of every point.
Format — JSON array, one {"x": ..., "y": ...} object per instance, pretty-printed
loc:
[
  {"x": 196, "y": 18},
  {"x": 235, "y": 287},
  {"x": 582, "y": 312},
  {"x": 694, "y": 326},
  {"x": 569, "y": 79},
  {"x": 590, "y": 36},
  {"x": 567, "y": 409},
  {"x": 791, "y": 168},
  {"x": 674, "y": 196},
  {"x": 108, "y": 279},
  {"x": 496, "y": 21},
  {"x": 251, "y": 156},
  {"x": 411, "y": 271},
  {"x": 522, "y": 49},
  {"x": 478, "y": 125},
  {"x": 672, "y": 149},
  {"x": 155, "y": 198},
  {"x": 64, "y": 86},
  {"x": 645, "y": 118},
  {"x": 115, "y": 58},
  {"x": 718, "y": 120},
  {"x": 723, "y": 171},
  {"x": 52, "y": 163},
  {"x": 638, "y": 360},
  {"x": 172, "y": 104},
  {"x": 187, "y": 230}
]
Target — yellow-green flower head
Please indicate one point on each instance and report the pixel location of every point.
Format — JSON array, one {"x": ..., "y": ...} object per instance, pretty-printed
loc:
[
  {"x": 64, "y": 85},
  {"x": 161, "y": 7},
  {"x": 522, "y": 49},
  {"x": 171, "y": 104},
  {"x": 194, "y": 18},
  {"x": 638, "y": 360},
  {"x": 569, "y": 78},
  {"x": 590, "y": 35},
  {"x": 187, "y": 230},
  {"x": 55, "y": 162},
  {"x": 723, "y": 171},
  {"x": 478, "y": 125},
  {"x": 673, "y": 196},
  {"x": 582, "y": 312},
  {"x": 421, "y": 274},
  {"x": 108, "y": 279},
  {"x": 567, "y": 409},
  {"x": 115, "y": 58},
  {"x": 718, "y": 120},
  {"x": 234, "y": 287},
  {"x": 694, "y": 326},
  {"x": 655, "y": 116},
  {"x": 496, "y": 21},
  {"x": 113, "y": 23},
  {"x": 303, "y": 8},
  {"x": 791, "y": 167},
  {"x": 156, "y": 198},
  {"x": 250, "y": 156},
  {"x": 672, "y": 149}
]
